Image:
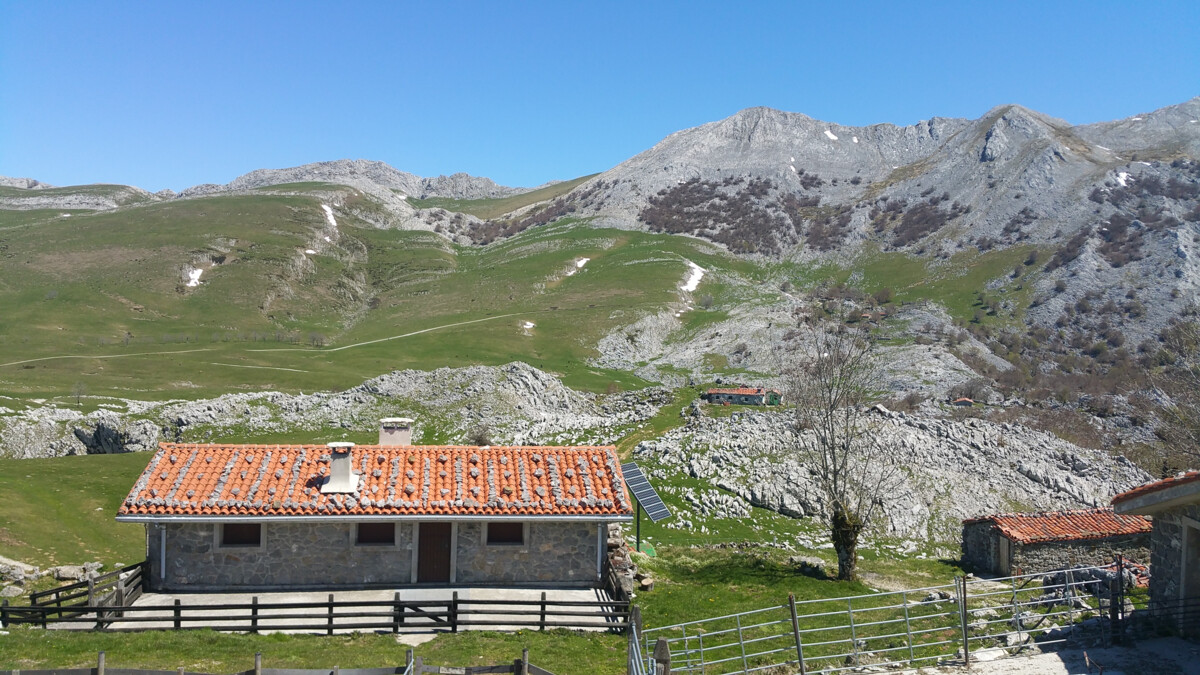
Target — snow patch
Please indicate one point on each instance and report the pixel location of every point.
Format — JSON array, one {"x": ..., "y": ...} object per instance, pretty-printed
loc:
[
  {"x": 1103, "y": 148},
  {"x": 1146, "y": 163},
  {"x": 528, "y": 324},
  {"x": 1135, "y": 119},
  {"x": 67, "y": 215},
  {"x": 1122, "y": 177},
  {"x": 328, "y": 239},
  {"x": 579, "y": 263},
  {"x": 694, "y": 276},
  {"x": 309, "y": 251},
  {"x": 194, "y": 277},
  {"x": 854, "y": 138},
  {"x": 830, "y": 135},
  {"x": 792, "y": 168},
  {"x": 793, "y": 160},
  {"x": 329, "y": 216}
]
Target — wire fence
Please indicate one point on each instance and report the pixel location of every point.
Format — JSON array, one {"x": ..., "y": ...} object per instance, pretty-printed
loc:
[{"x": 914, "y": 627}]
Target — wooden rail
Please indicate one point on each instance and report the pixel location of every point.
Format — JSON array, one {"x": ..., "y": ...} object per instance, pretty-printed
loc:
[{"x": 326, "y": 616}]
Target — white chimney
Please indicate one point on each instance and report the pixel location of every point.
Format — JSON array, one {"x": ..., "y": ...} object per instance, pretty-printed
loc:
[
  {"x": 395, "y": 431},
  {"x": 341, "y": 469}
]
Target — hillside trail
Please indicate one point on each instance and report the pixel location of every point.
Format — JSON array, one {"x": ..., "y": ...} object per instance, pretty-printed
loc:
[{"x": 1161, "y": 656}]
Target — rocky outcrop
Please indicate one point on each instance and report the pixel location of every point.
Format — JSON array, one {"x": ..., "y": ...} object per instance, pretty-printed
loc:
[
  {"x": 951, "y": 470},
  {"x": 512, "y": 404}
]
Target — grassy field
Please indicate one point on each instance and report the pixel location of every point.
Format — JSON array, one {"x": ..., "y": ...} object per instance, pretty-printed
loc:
[{"x": 108, "y": 304}]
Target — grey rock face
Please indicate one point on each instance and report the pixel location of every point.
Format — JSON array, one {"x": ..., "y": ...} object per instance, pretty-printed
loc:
[{"x": 952, "y": 470}]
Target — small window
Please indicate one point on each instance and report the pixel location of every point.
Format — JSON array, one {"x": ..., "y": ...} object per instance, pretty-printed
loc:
[
  {"x": 506, "y": 534},
  {"x": 370, "y": 534},
  {"x": 241, "y": 534}
]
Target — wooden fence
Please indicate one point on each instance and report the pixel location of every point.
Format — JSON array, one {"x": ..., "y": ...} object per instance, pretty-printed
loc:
[
  {"x": 413, "y": 665},
  {"x": 327, "y": 616}
]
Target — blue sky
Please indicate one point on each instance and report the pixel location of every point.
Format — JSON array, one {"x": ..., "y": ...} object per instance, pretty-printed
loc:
[{"x": 171, "y": 94}]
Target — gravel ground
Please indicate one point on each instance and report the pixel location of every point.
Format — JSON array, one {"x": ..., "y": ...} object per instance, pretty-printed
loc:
[{"x": 1163, "y": 656}]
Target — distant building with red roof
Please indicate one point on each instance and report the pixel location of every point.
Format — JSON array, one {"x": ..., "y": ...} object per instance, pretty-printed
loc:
[
  {"x": 274, "y": 517},
  {"x": 1174, "y": 545},
  {"x": 1021, "y": 543},
  {"x": 744, "y": 396}
]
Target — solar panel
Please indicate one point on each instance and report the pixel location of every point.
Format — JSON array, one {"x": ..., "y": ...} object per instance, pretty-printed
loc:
[{"x": 644, "y": 492}]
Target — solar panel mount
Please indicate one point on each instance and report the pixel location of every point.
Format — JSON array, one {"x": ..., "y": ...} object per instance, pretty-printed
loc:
[{"x": 644, "y": 492}]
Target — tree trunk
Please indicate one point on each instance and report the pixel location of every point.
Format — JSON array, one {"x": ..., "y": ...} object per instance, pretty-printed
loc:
[{"x": 844, "y": 530}]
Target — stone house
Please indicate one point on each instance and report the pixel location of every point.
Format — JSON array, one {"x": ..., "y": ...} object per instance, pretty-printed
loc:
[
  {"x": 744, "y": 396},
  {"x": 340, "y": 516},
  {"x": 1023, "y": 543},
  {"x": 1174, "y": 543}
]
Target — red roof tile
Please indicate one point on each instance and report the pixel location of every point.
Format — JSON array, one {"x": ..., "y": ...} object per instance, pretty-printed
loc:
[
  {"x": 1028, "y": 528},
  {"x": 268, "y": 480},
  {"x": 1181, "y": 479}
]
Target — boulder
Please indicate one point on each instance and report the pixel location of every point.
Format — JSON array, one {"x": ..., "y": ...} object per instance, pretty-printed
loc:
[
  {"x": 10, "y": 591},
  {"x": 69, "y": 572}
]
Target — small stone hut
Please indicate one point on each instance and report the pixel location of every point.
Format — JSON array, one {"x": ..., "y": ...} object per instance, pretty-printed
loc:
[
  {"x": 744, "y": 396},
  {"x": 339, "y": 516},
  {"x": 1174, "y": 544},
  {"x": 1024, "y": 543}
]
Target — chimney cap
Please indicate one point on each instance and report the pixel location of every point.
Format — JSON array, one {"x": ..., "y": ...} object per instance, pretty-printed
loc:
[
  {"x": 340, "y": 446},
  {"x": 396, "y": 421}
]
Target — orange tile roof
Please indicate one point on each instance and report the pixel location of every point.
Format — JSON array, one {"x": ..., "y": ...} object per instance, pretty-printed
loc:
[
  {"x": 1028, "y": 528},
  {"x": 285, "y": 480},
  {"x": 742, "y": 391},
  {"x": 1181, "y": 479}
]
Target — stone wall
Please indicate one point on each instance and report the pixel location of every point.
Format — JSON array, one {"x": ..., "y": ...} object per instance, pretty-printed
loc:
[
  {"x": 292, "y": 555},
  {"x": 1166, "y": 571},
  {"x": 981, "y": 541},
  {"x": 553, "y": 553},
  {"x": 1057, "y": 555},
  {"x": 323, "y": 555}
]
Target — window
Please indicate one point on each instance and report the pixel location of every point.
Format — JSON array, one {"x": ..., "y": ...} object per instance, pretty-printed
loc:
[
  {"x": 506, "y": 534},
  {"x": 241, "y": 534},
  {"x": 370, "y": 534}
]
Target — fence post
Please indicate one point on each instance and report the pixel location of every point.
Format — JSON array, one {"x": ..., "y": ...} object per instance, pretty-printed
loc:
[
  {"x": 524, "y": 662},
  {"x": 178, "y": 614},
  {"x": 1069, "y": 594},
  {"x": 329, "y": 619},
  {"x": 454, "y": 612},
  {"x": 542, "y": 621},
  {"x": 908, "y": 628},
  {"x": 960, "y": 585},
  {"x": 120, "y": 599},
  {"x": 397, "y": 613},
  {"x": 91, "y": 584},
  {"x": 100, "y": 663},
  {"x": 257, "y": 663},
  {"x": 4, "y": 613},
  {"x": 795, "y": 631},
  {"x": 662, "y": 657},
  {"x": 635, "y": 633},
  {"x": 853, "y": 632},
  {"x": 254, "y": 614},
  {"x": 408, "y": 658}
]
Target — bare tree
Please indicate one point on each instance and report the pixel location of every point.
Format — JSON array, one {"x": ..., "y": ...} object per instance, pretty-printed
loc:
[
  {"x": 839, "y": 439},
  {"x": 79, "y": 390}
]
